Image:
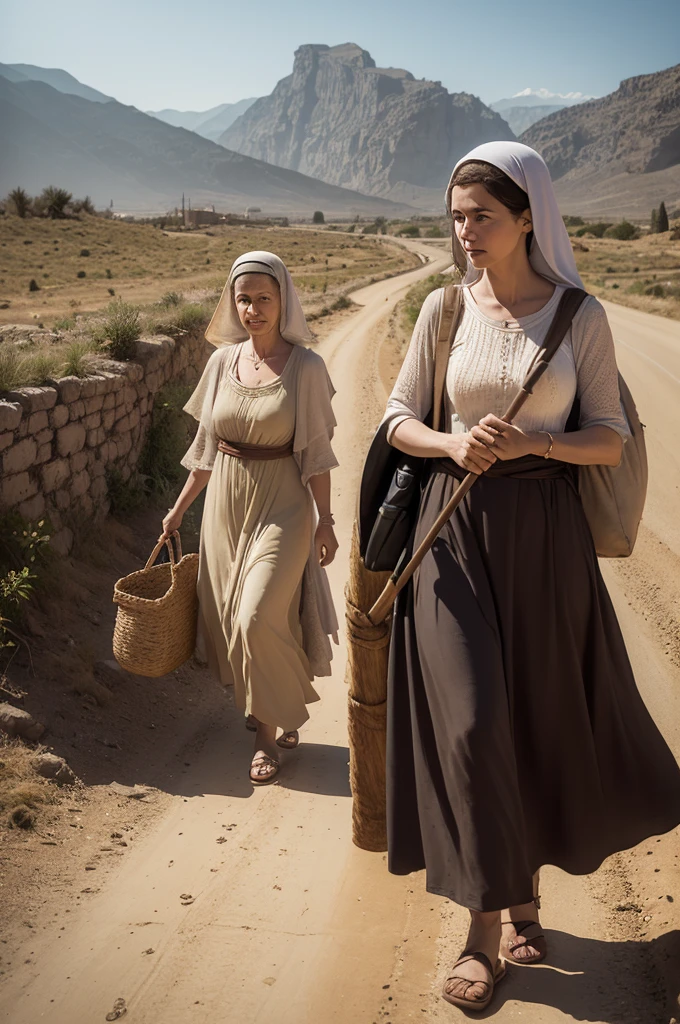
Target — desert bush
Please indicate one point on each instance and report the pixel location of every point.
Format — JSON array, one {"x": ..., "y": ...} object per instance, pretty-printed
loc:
[
  {"x": 318, "y": 217},
  {"x": 81, "y": 273},
  {"x": 624, "y": 232},
  {"x": 84, "y": 252},
  {"x": 409, "y": 231},
  {"x": 22, "y": 556},
  {"x": 416, "y": 295},
  {"x": 435, "y": 232},
  {"x": 572, "y": 222},
  {"x": 19, "y": 201},
  {"x": 596, "y": 230},
  {"x": 656, "y": 290},
  {"x": 167, "y": 440},
  {"x": 83, "y": 206},
  {"x": 33, "y": 285},
  {"x": 171, "y": 299},
  {"x": 77, "y": 359},
  {"x": 342, "y": 303},
  {"x": 121, "y": 329},
  {"x": 22, "y": 368},
  {"x": 54, "y": 201}
]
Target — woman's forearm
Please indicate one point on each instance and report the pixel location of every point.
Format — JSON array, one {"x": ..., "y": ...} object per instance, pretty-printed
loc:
[
  {"x": 320, "y": 487},
  {"x": 414, "y": 438},
  {"x": 195, "y": 482},
  {"x": 592, "y": 446}
]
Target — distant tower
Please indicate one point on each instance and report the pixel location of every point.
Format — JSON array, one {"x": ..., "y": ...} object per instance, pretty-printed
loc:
[{"x": 182, "y": 203}]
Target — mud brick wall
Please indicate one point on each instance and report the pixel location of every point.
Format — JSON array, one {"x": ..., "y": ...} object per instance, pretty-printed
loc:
[{"x": 59, "y": 442}]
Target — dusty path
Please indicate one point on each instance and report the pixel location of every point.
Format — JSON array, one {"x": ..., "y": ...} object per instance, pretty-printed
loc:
[{"x": 286, "y": 920}]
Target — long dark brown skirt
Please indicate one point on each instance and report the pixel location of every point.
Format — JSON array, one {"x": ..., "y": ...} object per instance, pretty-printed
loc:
[{"x": 516, "y": 735}]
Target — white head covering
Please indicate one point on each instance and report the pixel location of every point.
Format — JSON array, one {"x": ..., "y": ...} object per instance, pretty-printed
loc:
[
  {"x": 551, "y": 254},
  {"x": 225, "y": 328}
]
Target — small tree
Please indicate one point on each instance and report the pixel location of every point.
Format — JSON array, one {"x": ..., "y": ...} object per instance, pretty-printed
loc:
[
  {"x": 654, "y": 221},
  {"x": 121, "y": 329},
  {"x": 55, "y": 200},
  {"x": 318, "y": 217},
  {"x": 662, "y": 223},
  {"x": 83, "y": 205},
  {"x": 20, "y": 200}
]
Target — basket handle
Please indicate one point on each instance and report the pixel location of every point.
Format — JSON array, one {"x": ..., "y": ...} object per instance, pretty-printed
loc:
[{"x": 171, "y": 550}]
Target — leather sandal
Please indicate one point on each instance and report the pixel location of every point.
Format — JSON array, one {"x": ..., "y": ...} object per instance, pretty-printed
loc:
[
  {"x": 264, "y": 761},
  {"x": 289, "y": 740},
  {"x": 495, "y": 975},
  {"x": 528, "y": 933}
]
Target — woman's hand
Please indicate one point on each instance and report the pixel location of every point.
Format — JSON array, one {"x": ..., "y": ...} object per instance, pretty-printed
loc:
[
  {"x": 325, "y": 544},
  {"x": 468, "y": 452},
  {"x": 506, "y": 440},
  {"x": 171, "y": 523}
]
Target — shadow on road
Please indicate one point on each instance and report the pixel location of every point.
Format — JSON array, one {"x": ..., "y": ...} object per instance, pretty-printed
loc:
[{"x": 592, "y": 980}]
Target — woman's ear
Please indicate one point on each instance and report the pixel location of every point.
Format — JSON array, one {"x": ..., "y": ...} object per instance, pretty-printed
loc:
[{"x": 527, "y": 223}]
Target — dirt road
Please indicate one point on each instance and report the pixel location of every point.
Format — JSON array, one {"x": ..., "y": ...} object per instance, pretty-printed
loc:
[{"x": 244, "y": 906}]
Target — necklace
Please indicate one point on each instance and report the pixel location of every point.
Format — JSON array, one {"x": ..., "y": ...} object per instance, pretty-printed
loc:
[{"x": 256, "y": 360}]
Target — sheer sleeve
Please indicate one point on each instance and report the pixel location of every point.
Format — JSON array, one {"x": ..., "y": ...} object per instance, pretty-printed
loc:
[
  {"x": 203, "y": 450},
  {"x": 411, "y": 396},
  {"x": 596, "y": 370},
  {"x": 315, "y": 422}
]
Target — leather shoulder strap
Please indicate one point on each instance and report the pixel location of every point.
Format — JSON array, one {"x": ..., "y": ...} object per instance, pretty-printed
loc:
[
  {"x": 568, "y": 307},
  {"x": 453, "y": 303}
]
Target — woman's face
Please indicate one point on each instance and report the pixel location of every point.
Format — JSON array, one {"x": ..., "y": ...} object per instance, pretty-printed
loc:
[
  {"x": 486, "y": 229},
  {"x": 258, "y": 301}
]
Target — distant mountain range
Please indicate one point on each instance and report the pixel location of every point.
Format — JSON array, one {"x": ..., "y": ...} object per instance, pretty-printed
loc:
[
  {"x": 338, "y": 134},
  {"x": 208, "y": 123},
  {"x": 110, "y": 151},
  {"x": 531, "y": 105},
  {"x": 340, "y": 118},
  {"x": 55, "y": 77},
  {"x": 620, "y": 153}
]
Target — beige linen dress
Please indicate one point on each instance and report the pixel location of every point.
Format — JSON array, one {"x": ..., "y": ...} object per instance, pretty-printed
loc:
[{"x": 265, "y": 605}]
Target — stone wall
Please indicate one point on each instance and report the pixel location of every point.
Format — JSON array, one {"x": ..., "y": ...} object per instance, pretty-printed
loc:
[{"x": 59, "y": 443}]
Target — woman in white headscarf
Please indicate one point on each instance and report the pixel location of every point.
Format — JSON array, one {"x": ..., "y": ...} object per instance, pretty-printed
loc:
[
  {"x": 263, "y": 448},
  {"x": 516, "y": 734}
]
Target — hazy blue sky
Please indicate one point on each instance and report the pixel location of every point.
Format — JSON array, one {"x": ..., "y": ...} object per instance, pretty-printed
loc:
[{"x": 196, "y": 54}]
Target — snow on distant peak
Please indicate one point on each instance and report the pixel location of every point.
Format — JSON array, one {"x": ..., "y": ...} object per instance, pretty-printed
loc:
[{"x": 546, "y": 94}]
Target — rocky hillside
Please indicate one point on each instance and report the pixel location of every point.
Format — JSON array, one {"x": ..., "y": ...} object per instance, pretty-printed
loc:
[
  {"x": 113, "y": 152},
  {"x": 208, "y": 123},
  {"x": 635, "y": 130},
  {"x": 341, "y": 119}
]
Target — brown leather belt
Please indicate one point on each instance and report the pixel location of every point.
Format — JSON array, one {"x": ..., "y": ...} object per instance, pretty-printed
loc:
[{"x": 256, "y": 452}]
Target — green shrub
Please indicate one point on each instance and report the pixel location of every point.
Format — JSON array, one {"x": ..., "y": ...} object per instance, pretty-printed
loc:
[
  {"x": 166, "y": 442},
  {"x": 65, "y": 323},
  {"x": 54, "y": 201},
  {"x": 84, "y": 252},
  {"x": 416, "y": 295},
  {"x": 77, "y": 359},
  {"x": 81, "y": 273},
  {"x": 597, "y": 230},
  {"x": 318, "y": 217},
  {"x": 121, "y": 329},
  {"x": 342, "y": 303},
  {"x": 409, "y": 231},
  {"x": 435, "y": 232},
  {"x": 572, "y": 222},
  {"x": 22, "y": 555},
  {"x": 624, "y": 232},
  {"x": 171, "y": 299},
  {"x": 657, "y": 291},
  {"x": 33, "y": 285},
  {"x": 20, "y": 201},
  {"x": 21, "y": 369}
]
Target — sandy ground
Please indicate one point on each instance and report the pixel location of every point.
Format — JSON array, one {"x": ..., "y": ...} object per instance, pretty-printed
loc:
[{"x": 245, "y": 905}]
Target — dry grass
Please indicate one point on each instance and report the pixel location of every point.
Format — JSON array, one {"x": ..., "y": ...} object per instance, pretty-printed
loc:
[
  {"x": 141, "y": 263},
  {"x": 20, "y": 786}
]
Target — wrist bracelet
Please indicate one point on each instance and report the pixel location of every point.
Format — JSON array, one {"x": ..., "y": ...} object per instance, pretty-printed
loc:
[
  {"x": 328, "y": 520},
  {"x": 546, "y": 455}
]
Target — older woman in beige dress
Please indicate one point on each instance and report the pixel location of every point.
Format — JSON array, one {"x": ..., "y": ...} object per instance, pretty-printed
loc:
[{"x": 263, "y": 449}]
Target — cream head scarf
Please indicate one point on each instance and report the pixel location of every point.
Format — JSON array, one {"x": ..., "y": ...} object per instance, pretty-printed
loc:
[
  {"x": 551, "y": 254},
  {"x": 225, "y": 328}
]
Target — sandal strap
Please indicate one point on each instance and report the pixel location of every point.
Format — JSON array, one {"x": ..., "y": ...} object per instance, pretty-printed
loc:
[
  {"x": 265, "y": 760},
  {"x": 526, "y": 933},
  {"x": 471, "y": 954}
]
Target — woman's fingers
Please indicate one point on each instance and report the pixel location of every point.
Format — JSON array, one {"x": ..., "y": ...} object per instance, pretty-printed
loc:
[
  {"x": 484, "y": 435},
  {"x": 493, "y": 421}
]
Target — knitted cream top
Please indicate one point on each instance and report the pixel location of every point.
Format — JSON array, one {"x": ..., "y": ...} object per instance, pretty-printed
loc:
[{"x": 489, "y": 362}]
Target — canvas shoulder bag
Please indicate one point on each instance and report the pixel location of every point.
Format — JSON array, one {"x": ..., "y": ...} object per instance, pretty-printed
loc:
[
  {"x": 391, "y": 480},
  {"x": 613, "y": 497}
]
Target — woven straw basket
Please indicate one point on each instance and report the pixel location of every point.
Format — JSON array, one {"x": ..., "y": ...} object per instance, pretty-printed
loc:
[{"x": 155, "y": 629}]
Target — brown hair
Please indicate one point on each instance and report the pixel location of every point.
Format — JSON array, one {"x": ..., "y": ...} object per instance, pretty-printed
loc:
[{"x": 497, "y": 184}]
